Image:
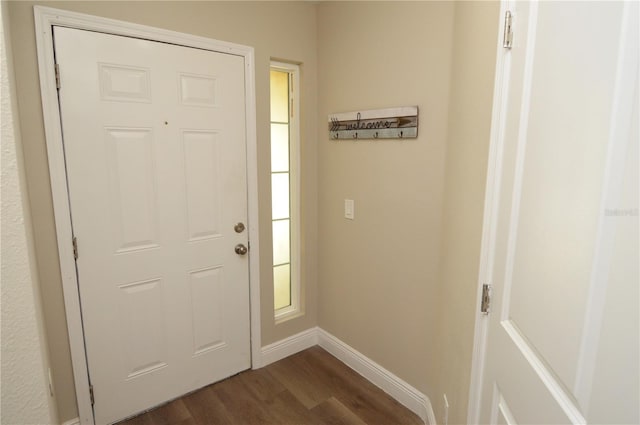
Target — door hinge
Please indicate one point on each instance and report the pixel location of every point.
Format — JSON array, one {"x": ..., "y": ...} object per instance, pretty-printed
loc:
[
  {"x": 93, "y": 400},
  {"x": 57, "y": 67},
  {"x": 507, "y": 38},
  {"x": 74, "y": 241},
  {"x": 486, "y": 299}
]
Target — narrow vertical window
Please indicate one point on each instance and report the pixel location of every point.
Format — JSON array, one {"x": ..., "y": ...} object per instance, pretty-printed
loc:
[{"x": 284, "y": 189}]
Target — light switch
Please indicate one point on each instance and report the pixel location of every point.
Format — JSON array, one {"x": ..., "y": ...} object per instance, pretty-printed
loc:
[{"x": 348, "y": 209}]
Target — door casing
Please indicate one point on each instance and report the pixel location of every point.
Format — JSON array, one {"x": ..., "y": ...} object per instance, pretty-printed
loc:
[
  {"x": 45, "y": 19},
  {"x": 494, "y": 168}
]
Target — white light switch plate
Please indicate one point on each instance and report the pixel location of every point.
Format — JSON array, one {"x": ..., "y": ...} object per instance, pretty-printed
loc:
[{"x": 349, "y": 209}]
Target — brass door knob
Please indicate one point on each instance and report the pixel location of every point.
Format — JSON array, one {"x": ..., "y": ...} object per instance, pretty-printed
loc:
[{"x": 241, "y": 249}]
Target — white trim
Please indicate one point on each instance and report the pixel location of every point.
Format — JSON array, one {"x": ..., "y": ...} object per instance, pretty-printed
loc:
[
  {"x": 45, "y": 19},
  {"x": 286, "y": 347},
  {"x": 400, "y": 390},
  {"x": 253, "y": 213},
  {"x": 397, "y": 388},
  {"x": 489, "y": 225},
  {"x": 74, "y": 421}
]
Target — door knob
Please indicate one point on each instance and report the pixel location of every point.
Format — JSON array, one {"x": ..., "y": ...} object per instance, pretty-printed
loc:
[
  {"x": 239, "y": 228},
  {"x": 241, "y": 249}
]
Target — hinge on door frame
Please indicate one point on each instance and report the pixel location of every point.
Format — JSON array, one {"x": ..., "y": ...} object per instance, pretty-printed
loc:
[
  {"x": 507, "y": 37},
  {"x": 485, "y": 303},
  {"x": 74, "y": 241},
  {"x": 57, "y": 67},
  {"x": 93, "y": 400}
]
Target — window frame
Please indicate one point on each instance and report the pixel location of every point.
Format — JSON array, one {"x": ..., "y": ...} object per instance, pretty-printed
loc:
[{"x": 295, "y": 308}]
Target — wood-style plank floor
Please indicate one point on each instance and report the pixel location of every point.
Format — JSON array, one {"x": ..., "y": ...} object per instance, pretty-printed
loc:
[{"x": 311, "y": 387}]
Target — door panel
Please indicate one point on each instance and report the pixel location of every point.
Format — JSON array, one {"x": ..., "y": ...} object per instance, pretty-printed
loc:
[
  {"x": 201, "y": 160},
  {"x": 207, "y": 299},
  {"x": 566, "y": 134},
  {"x": 134, "y": 189},
  {"x": 155, "y": 150},
  {"x": 142, "y": 321},
  {"x": 570, "y": 81}
]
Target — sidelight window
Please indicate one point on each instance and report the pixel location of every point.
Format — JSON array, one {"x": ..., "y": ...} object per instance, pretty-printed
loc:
[{"x": 285, "y": 209}]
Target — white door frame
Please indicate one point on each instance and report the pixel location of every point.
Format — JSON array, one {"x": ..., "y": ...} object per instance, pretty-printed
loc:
[
  {"x": 491, "y": 202},
  {"x": 45, "y": 19}
]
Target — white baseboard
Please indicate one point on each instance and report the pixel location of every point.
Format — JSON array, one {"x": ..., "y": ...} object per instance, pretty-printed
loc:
[
  {"x": 400, "y": 390},
  {"x": 75, "y": 421},
  {"x": 289, "y": 346},
  {"x": 404, "y": 393}
]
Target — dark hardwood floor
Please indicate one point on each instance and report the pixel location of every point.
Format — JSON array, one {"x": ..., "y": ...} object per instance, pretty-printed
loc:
[{"x": 311, "y": 387}]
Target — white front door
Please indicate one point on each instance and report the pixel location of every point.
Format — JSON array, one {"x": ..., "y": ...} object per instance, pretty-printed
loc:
[
  {"x": 155, "y": 148},
  {"x": 563, "y": 219}
]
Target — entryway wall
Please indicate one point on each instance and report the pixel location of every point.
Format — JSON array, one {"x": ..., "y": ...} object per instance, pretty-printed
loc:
[
  {"x": 398, "y": 283},
  {"x": 376, "y": 282},
  {"x": 379, "y": 272}
]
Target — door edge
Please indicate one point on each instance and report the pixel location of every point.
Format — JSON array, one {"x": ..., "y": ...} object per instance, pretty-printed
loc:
[{"x": 492, "y": 195}]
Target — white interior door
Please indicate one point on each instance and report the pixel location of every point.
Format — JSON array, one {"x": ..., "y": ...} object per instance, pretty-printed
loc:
[
  {"x": 155, "y": 144},
  {"x": 563, "y": 251}
]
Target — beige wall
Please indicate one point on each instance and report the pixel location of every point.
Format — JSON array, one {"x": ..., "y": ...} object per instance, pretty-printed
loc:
[
  {"x": 472, "y": 75},
  {"x": 276, "y": 30},
  {"x": 398, "y": 283},
  {"x": 378, "y": 274},
  {"x": 25, "y": 397}
]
